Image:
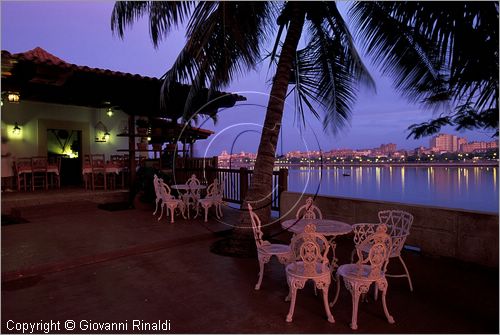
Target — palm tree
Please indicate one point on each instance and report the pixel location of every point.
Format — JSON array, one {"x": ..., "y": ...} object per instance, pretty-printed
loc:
[{"x": 225, "y": 39}]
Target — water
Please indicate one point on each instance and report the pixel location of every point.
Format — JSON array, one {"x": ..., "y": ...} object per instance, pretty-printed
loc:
[{"x": 472, "y": 188}]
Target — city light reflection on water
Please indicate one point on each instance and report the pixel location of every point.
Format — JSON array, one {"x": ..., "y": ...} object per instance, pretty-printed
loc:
[{"x": 437, "y": 186}]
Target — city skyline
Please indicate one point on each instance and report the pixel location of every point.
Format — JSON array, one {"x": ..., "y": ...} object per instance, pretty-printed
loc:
[
  {"x": 464, "y": 146},
  {"x": 64, "y": 30}
]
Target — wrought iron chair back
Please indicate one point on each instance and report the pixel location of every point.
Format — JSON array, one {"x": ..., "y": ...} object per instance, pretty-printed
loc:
[
  {"x": 374, "y": 250},
  {"x": 398, "y": 227},
  {"x": 256, "y": 227},
  {"x": 311, "y": 248},
  {"x": 309, "y": 211},
  {"x": 193, "y": 181}
]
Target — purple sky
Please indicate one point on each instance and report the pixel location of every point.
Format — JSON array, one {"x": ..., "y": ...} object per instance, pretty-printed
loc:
[{"x": 80, "y": 33}]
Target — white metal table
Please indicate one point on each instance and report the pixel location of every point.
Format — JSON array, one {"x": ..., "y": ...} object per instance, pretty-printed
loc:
[
  {"x": 188, "y": 188},
  {"x": 184, "y": 187}
]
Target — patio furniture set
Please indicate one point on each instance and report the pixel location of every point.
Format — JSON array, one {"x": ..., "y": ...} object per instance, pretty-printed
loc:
[
  {"x": 37, "y": 172},
  {"x": 99, "y": 173},
  {"x": 307, "y": 256},
  {"x": 189, "y": 198}
]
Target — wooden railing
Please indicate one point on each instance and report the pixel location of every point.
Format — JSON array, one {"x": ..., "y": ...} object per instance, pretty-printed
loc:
[{"x": 236, "y": 182}]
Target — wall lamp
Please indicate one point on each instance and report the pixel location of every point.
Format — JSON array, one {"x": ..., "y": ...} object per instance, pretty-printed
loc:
[
  {"x": 13, "y": 97},
  {"x": 101, "y": 132}
]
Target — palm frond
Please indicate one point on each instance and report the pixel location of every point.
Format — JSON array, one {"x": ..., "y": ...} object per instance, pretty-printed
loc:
[
  {"x": 455, "y": 48},
  {"x": 428, "y": 128},
  {"x": 163, "y": 16},
  {"x": 409, "y": 58},
  {"x": 328, "y": 70},
  {"x": 224, "y": 40}
]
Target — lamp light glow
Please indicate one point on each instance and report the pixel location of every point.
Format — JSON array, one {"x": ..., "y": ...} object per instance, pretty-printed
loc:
[
  {"x": 16, "y": 130},
  {"x": 13, "y": 97}
]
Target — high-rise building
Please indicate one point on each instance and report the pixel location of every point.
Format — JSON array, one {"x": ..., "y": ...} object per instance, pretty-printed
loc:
[
  {"x": 461, "y": 141},
  {"x": 445, "y": 142},
  {"x": 388, "y": 148}
]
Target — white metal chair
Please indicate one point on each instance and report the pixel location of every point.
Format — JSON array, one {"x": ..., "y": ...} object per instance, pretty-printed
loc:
[
  {"x": 213, "y": 198},
  {"x": 310, "y": 261},
  {"x": 398, "y": 227},
  {"x": 309, "y": 211},
  {"x": 169, "y": 201},
  {"x": 265, "y": 249},
  {"x": 157, "y": 186},
  {"x": 373, "y": 247},
  {"x": 192, "y": 195}
]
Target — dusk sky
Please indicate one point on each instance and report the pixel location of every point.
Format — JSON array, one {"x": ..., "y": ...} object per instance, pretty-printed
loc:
[{"x": 80, "y": 33}]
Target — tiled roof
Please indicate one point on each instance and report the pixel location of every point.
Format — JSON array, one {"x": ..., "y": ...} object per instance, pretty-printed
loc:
[{"x": 41, "y": 56}]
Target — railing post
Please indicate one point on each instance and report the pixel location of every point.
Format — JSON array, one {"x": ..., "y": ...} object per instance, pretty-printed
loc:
[
  {"x": 243, "y": 184},
  {"x": 282, "y": 185}
]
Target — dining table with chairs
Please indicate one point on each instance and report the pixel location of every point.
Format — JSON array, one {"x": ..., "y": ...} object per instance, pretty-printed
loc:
[
  {"x": 307, "y": 256},
  {"x": 35, "y": 172}
]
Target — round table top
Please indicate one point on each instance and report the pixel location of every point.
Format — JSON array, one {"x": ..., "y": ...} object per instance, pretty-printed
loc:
[
  {"x": 323, "y": 226},
  {"x": 185, "y": 187}
]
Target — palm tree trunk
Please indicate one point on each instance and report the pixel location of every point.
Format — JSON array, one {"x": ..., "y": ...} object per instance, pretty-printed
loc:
[{"x": 259, "y": 195}]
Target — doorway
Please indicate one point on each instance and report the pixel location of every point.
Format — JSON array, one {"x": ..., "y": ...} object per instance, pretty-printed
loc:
[{"x": 66, "y": 144}]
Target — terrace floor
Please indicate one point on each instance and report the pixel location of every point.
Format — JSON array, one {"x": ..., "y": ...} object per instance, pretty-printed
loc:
[{"x": 74, "y": 261}]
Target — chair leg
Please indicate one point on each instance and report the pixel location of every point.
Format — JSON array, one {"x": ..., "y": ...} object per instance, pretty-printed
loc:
[
  {"x": 182, "y": 208},
  {"x": 355, "y": 293},
  {"x": 206, "y": 213},
  {"x": 187, "y": 208},
  {"x": 383, "y": 287},
  {"x": 293, "y": 291},
  {"x": 218, "y": 211},
  {"x": 327, "y": 307},
  {"x": 261, "y": 272},
  {"x": 161, "y": 213},
  {"x": 156, "y": 207},
  {"x": 337, "y": 291},
  {"x": 407, "y": 273},
  {"x": 172, "y": 208}
]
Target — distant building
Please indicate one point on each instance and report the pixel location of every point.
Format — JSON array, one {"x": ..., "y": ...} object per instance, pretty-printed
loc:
[
  {"x": 461, "y": 141},
  {"x": 388, "y": 149},
  {"x": 479, "y": 146},
  {"x": 422, "y": 151},
  {"x": 446, "y": 143}
]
